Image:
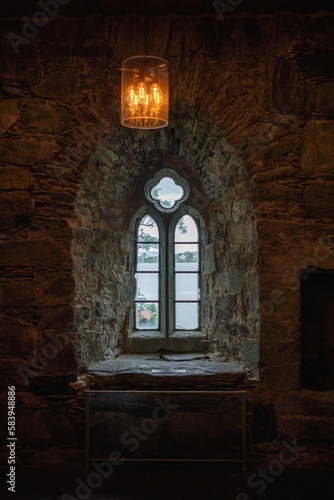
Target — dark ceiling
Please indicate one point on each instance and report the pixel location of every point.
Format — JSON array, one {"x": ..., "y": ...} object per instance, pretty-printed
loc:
[{"x": 80, "y": 8}]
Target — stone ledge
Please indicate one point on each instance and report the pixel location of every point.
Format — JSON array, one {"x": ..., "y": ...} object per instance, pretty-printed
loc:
[
  {"x": 148, "y": 342},
  {"x": 134, "y": 371}
]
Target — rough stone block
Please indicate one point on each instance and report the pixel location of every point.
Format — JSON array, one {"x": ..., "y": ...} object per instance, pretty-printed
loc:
[
  {"x": 278, "y": 376},
  {"x": 72, "y": 32},
  {"x": 238, "y": 233},
  {"x": 61, "y": 427},
  {"x": 16, "y": 211},
  {"x": 41, "y": 117},
  {"x": 16, "y": 336},
  {"x": 318, "y": 200},
  {"x": 27, "y": 151},
  {"x": 59, "y": 84},
  {"x": 19, "y": 71},
  {"x": 51, "y": 290},
  {"x": 250, "y": 350},
  {"x": 308, "y": 403},
  {"x": 312, "y": 429},
  {"x": 286, "y": 233},
  {"x": 280, "y": 348},
  {"x": 53, "y": 383},
  {"x": 276, "y": 173},
  {"x": 282, "y": 192},
  {"x": 252, "y": 35},
  {"x": 279, "y": 309},
  {"x": 288, "y": 91},
  {"x": 290, "y": 262},
  {"x": 325, "y": 99},
  {"x": 28, "y": 400},
  {"x": 318, "y": 62},
  {"x": 15, "y": 178},
  {"x": 9, "y": 370},
  {"x": 135, "y": 24},
  {"x": 32, "y": 430},
  {"x": 59, "y": 319},
  {"x": 9, "y": 114},
  {"x": 317, "y": 156},
  {"x": 16, "y": 294},
  {"x": 278, "y": 151},
  {"x": 34, "y": 254},
  {"x": 318, "y": 32}
]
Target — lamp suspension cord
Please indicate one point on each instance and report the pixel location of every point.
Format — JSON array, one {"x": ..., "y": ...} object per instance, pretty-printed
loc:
[{"x": 146, "y": 28}]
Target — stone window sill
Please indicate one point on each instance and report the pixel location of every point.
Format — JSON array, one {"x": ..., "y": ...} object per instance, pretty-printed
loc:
[
  {"x": 151, "y": 342},
  {"x": 154, "y": 371}
]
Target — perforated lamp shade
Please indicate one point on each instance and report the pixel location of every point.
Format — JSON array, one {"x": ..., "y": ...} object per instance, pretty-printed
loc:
[{"x": 145, "y": 92}]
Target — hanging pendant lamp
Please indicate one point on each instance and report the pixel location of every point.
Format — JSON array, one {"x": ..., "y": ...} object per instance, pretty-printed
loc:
[{"x": 145, "y": 92}]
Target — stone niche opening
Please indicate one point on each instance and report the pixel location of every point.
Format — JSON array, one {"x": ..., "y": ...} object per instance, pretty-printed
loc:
[
  {"x": 112, "y": 191},
  {"x": 317, "y": 330}
]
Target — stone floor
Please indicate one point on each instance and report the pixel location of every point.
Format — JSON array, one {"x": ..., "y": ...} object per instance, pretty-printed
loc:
[{"x": 173, "y": 482}]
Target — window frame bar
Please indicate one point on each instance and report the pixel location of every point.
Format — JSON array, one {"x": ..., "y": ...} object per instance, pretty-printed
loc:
[
  {"x": 148, "y": 211},
  {"x": 186, "y": 210}
]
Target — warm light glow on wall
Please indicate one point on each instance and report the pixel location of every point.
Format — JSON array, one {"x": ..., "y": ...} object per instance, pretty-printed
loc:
[{"x": 145, "y": 92}]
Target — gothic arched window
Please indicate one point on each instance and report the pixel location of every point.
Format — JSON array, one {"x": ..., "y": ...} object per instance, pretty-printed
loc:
[{"x": 168, "y": 285}]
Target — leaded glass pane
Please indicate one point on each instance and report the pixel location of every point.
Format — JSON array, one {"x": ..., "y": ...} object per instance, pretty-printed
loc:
[
  {"x": 148, "y": 230},
  {"x": 186, "y": 257},
  {"x": 147, "y": 257},
  {"x": 186, "y": 286},
  {"x": 147, "y": 316},
  {"x": 186, "y": 315},
  {"x": 186, "y": 230},
  {"x": 147, "y": 286},
  {"x": 167, "y": 192}
]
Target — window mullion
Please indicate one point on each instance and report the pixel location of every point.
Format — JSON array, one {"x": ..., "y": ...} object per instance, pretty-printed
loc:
[
  {"x": 171, "y": 280},
  {"x": 163, "y": 281}
]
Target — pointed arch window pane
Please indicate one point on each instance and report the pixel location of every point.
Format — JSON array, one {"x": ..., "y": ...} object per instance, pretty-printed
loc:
[
  {"x": 147, "y": 276},
  {"x": 148, "y": 229},
  {"x": 148, "y": 245},
  {"x": 186, "y": 230}
]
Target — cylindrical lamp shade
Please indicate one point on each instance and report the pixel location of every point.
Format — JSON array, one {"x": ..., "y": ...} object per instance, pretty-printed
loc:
[{"x": 145, "y": 92}]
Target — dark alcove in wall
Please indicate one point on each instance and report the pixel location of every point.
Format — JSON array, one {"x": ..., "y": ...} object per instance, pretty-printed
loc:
[{"x": 317, "y": 330}]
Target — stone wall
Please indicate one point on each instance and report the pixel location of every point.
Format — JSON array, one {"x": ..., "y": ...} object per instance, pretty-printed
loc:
[{"x": 251, "y": 123}]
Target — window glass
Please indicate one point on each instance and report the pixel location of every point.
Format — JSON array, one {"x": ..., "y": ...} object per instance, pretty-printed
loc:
[
  {"x": 186, "y": 229},
  {"x": 167, "y": 192},
  {"x": 186, "y": 316},
  {"x": 147, "y": 257},
  {"x": 186, "y": 275},
  {"x": 147, "y": 277},
  {"x": 148, "y": 229},
  {"x": 186, "y": 286},
  {"x": 186, "y": 257},
  {"x": 147, "y": 316},
  {"x": 167, "y": 278},
  {"x": 147, "y": 286},
  {"x": 148, "y": 245}
]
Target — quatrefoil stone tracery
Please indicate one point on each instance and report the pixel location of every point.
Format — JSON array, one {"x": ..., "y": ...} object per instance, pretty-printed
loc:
[{"x": 166, "y": 190}]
